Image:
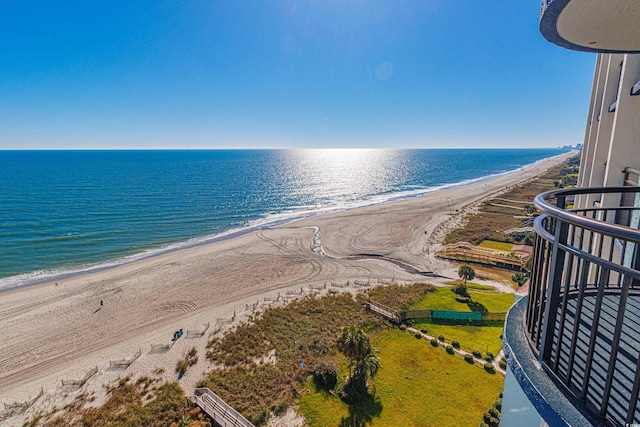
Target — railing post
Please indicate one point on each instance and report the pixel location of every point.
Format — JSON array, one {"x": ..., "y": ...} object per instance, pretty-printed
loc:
[{"x": 561, "y": 229}]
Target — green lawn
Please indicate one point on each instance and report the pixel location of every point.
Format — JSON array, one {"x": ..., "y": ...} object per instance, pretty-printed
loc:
[
  {"x": 443, "y": 299},
  {"x": 470, "y": 337},
  {"x": 416, "y": 385},
  {"x": 492, "y": 244}
]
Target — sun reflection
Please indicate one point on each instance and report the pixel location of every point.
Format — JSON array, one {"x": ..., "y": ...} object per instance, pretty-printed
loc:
[{"x": 342, "y": 175}]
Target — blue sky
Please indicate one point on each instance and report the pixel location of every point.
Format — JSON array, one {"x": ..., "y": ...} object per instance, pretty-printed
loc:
[{"x": 317, "y": 73}]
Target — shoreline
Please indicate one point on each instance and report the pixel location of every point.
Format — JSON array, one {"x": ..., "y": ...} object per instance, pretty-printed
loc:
[
  {"x": 60, "y": 331},
  {"x": 51, "y": 275}
]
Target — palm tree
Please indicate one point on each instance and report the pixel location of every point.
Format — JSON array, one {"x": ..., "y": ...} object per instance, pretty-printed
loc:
[
  {"x": 368, "y": 366},
  {"x": 467, "y": 273},
  {"x": 355, "y": 345}
]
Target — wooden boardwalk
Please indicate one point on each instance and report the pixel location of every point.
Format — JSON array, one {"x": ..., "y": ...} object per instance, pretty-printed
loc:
[
  {"x": 218, "y": 409},
  {"x": 383, "y": 310}
]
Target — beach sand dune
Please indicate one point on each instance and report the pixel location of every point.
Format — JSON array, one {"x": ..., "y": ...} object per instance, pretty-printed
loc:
[{"x": 60, "y": 330}]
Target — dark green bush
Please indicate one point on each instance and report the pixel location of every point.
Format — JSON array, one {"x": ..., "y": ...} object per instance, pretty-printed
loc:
[
  {"x": 423, "y": 330},
  {"x": 488, "y": 358},
  {"x": 489, "y": 354},
  {"x": 487, "y": 417},
  {"x": 494, "y": 412},
  {"x": 494, "y": 422},
  {"x": 403, "y": 327},
  {"x": 456, "y": 344},
  {"x": 498, "y": 404},
  {"x": 502, "y": 364},
  {"x": 483, "y": 425},
  {"x": 418, "y": 335},
  {"x": 468, "y": 358},
  {"x": 477, "y": 354},
  {"x": 325, "y": 375},
  {"x": 464, "y": 300},
  {"x": 441, "y": 338},
  {"x": 449, "y": 349},
  {"x": 489, "y": 368},
  {"x": 434, "y": 342},
  {"x": 500, "y": 395}
]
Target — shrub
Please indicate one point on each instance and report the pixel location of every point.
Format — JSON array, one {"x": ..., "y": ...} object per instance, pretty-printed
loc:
[
  {"x": 489, "y": 354},
  {"x": 488, "y": 358},
  {"x": 460, "y": 290},
  {"x": 494, "y": 412},
  {"x": 464, "y": 300},
  {"x": 434, "y": 342},
  {"x": 494, "y": 422},
  {"x": 483, "y": 425},
  {"x": 325, "y": 375},
  {"x": 500, "y": 395},
  {"x": 441, "y": 338},
  {"x": 402, "y": 327},
  {"x": 449, "y": 349},
  {"x": 498, "y": 404},
  {"x": 456, "y": 344},
  {"x": 468, "y": 358},
  {"x": 487, "y": 417},
  {"x": 418, "y": 335},
  {"x": 502, "y": 364},
  {"x": 489, "y": 368},
  {"x": 477, "y": 354},
  {"x": 423, "y": 330}
]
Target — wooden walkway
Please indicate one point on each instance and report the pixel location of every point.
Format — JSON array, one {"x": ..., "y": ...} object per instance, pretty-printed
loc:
[
  {"x": 218, "y": 409},
  {"x": 383, "y": 310},
  {"x": 463, "y": 251}
]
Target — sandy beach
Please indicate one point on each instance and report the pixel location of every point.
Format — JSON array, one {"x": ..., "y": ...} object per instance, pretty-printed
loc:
[{"x": 59, "y": 330}]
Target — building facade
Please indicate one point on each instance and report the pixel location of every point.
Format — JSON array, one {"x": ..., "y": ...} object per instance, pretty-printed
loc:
[{"x": 573, "y": 344}]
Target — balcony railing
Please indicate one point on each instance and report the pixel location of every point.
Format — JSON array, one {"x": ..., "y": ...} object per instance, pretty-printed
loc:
[{"x": 583, "y": 313}]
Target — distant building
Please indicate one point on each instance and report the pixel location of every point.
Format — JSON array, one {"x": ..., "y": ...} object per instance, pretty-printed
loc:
[{"x": 573, "y": 344}]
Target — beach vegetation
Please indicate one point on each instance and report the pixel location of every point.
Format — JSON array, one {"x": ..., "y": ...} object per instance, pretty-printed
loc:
[
  {"x": 144, "y": 402},
  {"x": 466, "y": 273},
  {"x": 520, "y": 278},
  {"x": 190, "y": 359},
  {"x": 495, "y": 215},
  {"x": 410, "y": 372}
]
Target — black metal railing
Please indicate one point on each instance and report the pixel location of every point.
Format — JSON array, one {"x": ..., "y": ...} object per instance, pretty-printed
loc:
[{"x": 583, "y": 313}]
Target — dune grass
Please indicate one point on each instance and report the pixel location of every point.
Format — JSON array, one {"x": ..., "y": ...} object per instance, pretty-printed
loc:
[{"x": 415, "y": 386}]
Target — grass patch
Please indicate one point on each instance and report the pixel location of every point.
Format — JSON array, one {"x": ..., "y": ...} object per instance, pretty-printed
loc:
[
  {"x": 470, "y": 337},
  {"x": 482, "y": 299},
  {"x": 414, "y": 386},
  {"x": 492, "y": 244}
]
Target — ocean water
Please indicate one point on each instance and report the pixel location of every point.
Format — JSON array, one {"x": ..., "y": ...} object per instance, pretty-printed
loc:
[{"x": 68, "y": 211}]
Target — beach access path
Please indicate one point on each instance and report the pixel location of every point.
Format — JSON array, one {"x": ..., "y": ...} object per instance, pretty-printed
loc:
[{"x": 60, "y": 330}]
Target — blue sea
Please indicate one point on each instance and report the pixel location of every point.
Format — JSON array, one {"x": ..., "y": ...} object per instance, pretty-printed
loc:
[{"x": 63, "y": 212}]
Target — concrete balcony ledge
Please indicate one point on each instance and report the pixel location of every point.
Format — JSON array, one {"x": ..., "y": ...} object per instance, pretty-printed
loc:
[
  {"x": 592, "y": 25},
  {"x": 546, "y": 395}
]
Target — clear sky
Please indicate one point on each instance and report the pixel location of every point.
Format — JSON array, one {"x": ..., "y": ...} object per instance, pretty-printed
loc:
[{"x": 316, "y": 73}]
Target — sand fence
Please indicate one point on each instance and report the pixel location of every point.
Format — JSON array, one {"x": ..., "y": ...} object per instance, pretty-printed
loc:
[
  {"x": 125, "y": 363},
  {"x": 198, "y": 333},
  {"x": 19, "y": 407},
  {"x": 225, "y": 322},
  {"x": 79, "y": 383}
]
